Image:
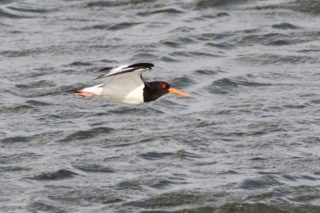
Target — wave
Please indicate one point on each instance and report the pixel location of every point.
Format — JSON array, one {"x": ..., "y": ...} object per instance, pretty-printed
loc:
[
  {"x": 23, "y": 10},
  {"x": 94, "y": 168},
  {"x": 219, "y": 3},
  {"x": 169, "y": 11},
  {"x": 306, "y": 6},
  {"x": 182, "y": 82},
  {"x": 57, "y": 175},
  {"x": 87, "y": 134},
  {"x": 227, "y": 85},
  {"x": 117, "y": 3},
  {"x": 279, "y": 59},
  {"x": 83, "y": 194}
]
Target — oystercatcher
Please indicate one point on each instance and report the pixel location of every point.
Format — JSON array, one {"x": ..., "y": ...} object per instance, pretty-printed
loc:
[{"x": 124, "y": 84}]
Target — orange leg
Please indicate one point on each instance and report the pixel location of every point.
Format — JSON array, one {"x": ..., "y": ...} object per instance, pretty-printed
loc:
[{"x": 84, "y": 94}]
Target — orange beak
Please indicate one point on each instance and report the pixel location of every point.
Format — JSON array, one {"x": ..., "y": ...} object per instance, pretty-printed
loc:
[{"x": 177, "y": 92}]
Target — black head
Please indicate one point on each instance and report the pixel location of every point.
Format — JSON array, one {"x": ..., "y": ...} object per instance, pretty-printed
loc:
[{"x": 154, "y": 90}]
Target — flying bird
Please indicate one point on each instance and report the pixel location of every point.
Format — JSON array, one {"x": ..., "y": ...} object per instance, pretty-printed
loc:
[{"x": 125, "y": 84}]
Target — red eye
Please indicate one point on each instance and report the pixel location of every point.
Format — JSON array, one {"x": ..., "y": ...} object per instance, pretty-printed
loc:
[{"x": 164, "y": 86}]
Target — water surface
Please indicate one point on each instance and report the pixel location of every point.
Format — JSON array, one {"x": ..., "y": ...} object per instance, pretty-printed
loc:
[{"x": 246, "y": 141}]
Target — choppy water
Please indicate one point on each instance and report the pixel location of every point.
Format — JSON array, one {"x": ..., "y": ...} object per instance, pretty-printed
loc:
[{"x": 246, "y": 141}]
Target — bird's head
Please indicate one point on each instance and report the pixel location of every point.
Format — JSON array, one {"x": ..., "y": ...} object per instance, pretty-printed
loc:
[
  {"x": 156, "y": 89},
  {"x": 166, "y": 88}
]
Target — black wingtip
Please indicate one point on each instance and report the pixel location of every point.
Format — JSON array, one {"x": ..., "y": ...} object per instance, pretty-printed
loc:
[
  {"x": 141, "y": 65},
  {"x": 131, "y": 67}
]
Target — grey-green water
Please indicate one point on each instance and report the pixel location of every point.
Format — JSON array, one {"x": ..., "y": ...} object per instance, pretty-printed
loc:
[{"x": 246, "y": 141}]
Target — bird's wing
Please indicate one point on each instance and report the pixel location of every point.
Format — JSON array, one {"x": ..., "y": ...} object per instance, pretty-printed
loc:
[
  {"x": 125, "y": 81},
  {"x": 113, "y": 71}
]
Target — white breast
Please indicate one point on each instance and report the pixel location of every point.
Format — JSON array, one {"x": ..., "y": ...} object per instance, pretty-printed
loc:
[{"x": 135, "y": 96}]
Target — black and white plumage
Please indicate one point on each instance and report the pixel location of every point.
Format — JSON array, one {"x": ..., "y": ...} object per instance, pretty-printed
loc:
[{"x": 124, "y": 84}]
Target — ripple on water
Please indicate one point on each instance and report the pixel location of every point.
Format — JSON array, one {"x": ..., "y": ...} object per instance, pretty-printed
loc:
[
  {"x": 251, "y": 37},
  {"x": 118, "y": 3},
  {"x": 188, "y": 54},
  {"x": 4, "y": 169},
  {"x": 166, "y": 182},
  {"x": 29, "y": 8},
  {"x": 157, "y": 182},
  {"x": 45, "y": 205},
  {"x": 265, "y": 181},
  {"x": 87, "y": 134},
  {"x": 162, "y": 184},
  {"x": 270, "y": 39},
  {"x": 17, "y": 109},
  {"x": 124, "y": 25},
  {"x": 173, "y": 44},
  {"x": 125, "y": 110},
  {"x": 33, "y": 139},
  {"x": 21, "y": 53},
  {"x": 182, "y": 82},
  {"x": 221, "y": 45},
  {"x": 38, "y": 103},
  {"x": 202, "y": 4},
  {"x": 129, "y": 185},
  {"x": 45, "y": 90},
  {"x": 56, "y": 175},
  {"x": 9, "y": 14},
  {"x": 172, "y": 199},
  {"x": 19, "y": 10},
  {"x": 105, "y": 4},
  {"x": 83, "y": 195},
  {"x": 167, "y": 11},
  {"x": 278, "y": 59},
  {"x": 169, "y": 59},
  {"x": 146, "y": 56},
  {"x": 228, "y": 85},
  {"x": 16, "y": 139},
  {"x": 94, "y": 168},
  {"x": 156, "y": 155},
  {"x": 206, "y": 72},
  {"x": 246, "y": 208},
  {"x": 79, "y": 64},
  {"x": 18, "y": 157},
  {"x": 36, "y": 84},
  {"x": 306, "y": 6},
  {"x": 185, "y": 155},
  {"x": 285, "y": 26},
  {"x": 214, "y": 36}
]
